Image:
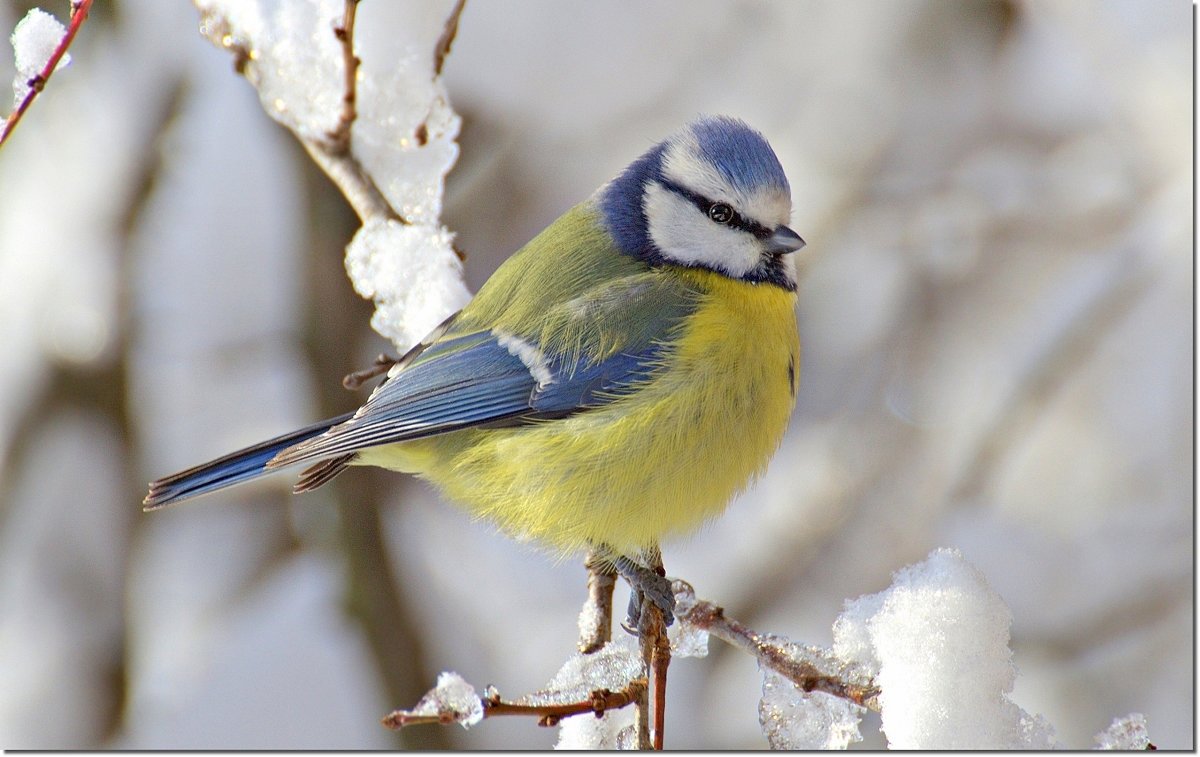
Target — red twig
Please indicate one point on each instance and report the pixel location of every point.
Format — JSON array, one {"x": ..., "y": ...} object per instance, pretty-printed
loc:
[
  {"x": 79, "y": 12},
  {"x": 656, "y": 656},
  {"x": 659, "y": 660}
]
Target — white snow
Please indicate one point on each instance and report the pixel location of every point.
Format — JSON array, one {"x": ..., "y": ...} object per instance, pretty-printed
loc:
[
  {"x": 403, "y": 137},
  {"x": 612, "y": 667},
  {"x": 937, "y": 641},
  {"x": 687, "y": 640},
  {"x": 34, "y": 40},
  {"x": 406, "y": 132},
  {"x": 613, "y": 730},
  {"x": 792, "y": 719},
  {"x": 298, "y": 66},
  {"x": 412, "y": 274}
]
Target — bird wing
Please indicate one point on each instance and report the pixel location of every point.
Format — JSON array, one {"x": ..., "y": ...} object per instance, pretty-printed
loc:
[{"x": 590, "y": 351}]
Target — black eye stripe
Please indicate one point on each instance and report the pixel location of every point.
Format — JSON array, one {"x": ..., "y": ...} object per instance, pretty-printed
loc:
[{"x": 705, "y": 205}]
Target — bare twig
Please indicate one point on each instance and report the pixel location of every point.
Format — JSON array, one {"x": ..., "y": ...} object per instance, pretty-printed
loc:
[
  {"x": 595, "y": 622},
  {"x": 659, "y": 661},
  {"x": 339, "y": 136},
  {"x": 440, "y": 51},
  {"x": 381, "y": 365},
  {"x": 354, "y": 182},
  {"x": 79, "y": 14},
  {"x": 656, "y": 656},
  {"x": 449, "y": 32},
  {"x": 597, "y": 703},
  {"x": 710, "y": 617}
]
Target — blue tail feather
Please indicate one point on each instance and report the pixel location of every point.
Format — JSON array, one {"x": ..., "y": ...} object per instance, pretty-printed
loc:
[{"x": 234, "y": 468}]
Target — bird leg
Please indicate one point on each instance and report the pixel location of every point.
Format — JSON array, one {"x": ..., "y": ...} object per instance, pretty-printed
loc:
[
  {"x": 656, "y": 656},
  {"x": 648, "y": 583},
  {"x": 651, "y": 610}
]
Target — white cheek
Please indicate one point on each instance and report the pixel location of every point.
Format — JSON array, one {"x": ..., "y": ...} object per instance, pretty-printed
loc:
[
  {"x": 686, "y": 236},
  {"x": 789, "y": 267}
]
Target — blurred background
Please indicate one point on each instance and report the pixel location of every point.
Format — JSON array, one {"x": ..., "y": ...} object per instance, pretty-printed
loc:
[{"x": 996, "y": 312}]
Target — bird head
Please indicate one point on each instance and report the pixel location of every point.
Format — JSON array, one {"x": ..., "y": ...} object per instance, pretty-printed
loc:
[{"x": 711, "y": 196}]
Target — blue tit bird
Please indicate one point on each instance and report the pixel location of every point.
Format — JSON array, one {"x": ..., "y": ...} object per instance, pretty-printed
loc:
[{"x": 615, "y": 382}]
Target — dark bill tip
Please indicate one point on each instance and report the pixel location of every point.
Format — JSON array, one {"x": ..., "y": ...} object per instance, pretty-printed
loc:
[{"x": 784, "y": 240}]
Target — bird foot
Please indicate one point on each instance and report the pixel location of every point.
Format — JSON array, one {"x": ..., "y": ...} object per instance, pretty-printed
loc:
[{"x": 646, "y": 584}]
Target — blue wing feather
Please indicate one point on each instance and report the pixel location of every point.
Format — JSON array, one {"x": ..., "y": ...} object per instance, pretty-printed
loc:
[
  {"x": 234, "y": 468},
  {"x": 474, "y": 380}
]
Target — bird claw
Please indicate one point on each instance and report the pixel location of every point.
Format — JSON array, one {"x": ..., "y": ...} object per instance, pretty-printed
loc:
[{"x": 646, "y": 584}]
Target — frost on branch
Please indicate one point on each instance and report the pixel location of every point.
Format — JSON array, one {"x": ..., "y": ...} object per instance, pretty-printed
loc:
[
  {"x": 613, "y": 667},
  {"x": 452, "y": 701},
  {"x": 687, "y": 639},
  {"x": 34, "y": 41},
  {"x": 937, "y": 644},
  {"x": 930, "y": 654},
  {"x": 792, "y": 719},
  {"x": 1125, "y": 734},
  {"x": 595, "y": 688}
]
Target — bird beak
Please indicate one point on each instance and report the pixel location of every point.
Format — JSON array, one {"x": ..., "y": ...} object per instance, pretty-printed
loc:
[{"x": 784, "y": 240}]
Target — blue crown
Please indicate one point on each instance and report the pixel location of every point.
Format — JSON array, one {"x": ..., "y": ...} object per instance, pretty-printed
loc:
[{"x": 740, "y": 154}]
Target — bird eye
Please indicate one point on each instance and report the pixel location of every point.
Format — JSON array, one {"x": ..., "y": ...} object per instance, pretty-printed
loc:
[{"x": 720, "y": 212}]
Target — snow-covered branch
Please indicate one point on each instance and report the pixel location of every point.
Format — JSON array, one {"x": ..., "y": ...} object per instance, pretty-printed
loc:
[
  {"x": 454, "y": 701},
  {"x": 40, "y": 44},
  {"x": 930, "y": 654},
  {"x": 809, "y": 668},
  {"x": 379, "y": 125}
]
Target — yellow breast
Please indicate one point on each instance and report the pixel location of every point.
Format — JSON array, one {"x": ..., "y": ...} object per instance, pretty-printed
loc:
[{"x": 658, "y": 462}]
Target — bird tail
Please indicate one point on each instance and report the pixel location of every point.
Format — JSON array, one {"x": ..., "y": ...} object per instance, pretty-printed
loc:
[{"x": 234, "y": 468}]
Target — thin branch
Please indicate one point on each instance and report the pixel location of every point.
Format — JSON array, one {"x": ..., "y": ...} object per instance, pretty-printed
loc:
[
  {"x": 79, "y": 14},
  {"x": 597, "y": 703},
  {"x": 354, "y": 182},
  {"x": 381, "y": 365},
  {"x": 595, "y": 621},
  {"x": 449, "y": 32},
  {"x": 841, "y": 680},
  {"x": 710, "y": 617},
  {"x": 339, "y": 136},
  {"x": 440, "y": 51},
  {"x": 656, "y": 656}
]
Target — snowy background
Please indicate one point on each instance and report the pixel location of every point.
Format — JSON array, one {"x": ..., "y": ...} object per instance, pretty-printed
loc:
[{"x": 996, "y": 317}]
